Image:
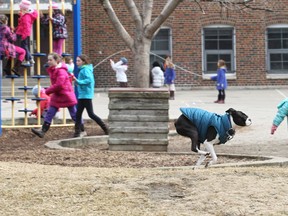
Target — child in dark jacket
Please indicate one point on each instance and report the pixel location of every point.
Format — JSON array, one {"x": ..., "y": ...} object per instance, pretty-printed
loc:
[{"x": 59, "y": 27}]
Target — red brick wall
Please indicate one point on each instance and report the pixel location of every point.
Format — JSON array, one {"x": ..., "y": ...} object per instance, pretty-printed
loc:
[{"x": 100, "y": 40}]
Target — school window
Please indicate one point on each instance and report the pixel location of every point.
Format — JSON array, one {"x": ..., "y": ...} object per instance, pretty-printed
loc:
[
  {"x": 218, "y": 43},
  {"x": 161, "y": 45},
  {"x": 277, "y": 50}
]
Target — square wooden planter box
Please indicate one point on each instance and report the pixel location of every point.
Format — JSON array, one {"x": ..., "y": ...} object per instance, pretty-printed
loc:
[{"x": 138, "y": 119}]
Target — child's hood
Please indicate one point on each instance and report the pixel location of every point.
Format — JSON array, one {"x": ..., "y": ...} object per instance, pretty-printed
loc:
[
  {"x": 159, "y": 71},
  {"x": 282, "y": 103},
  {"x": 32, "y": 13},
  {"x": 88, "y": 66},
  {"x": 62, "y": 65}
]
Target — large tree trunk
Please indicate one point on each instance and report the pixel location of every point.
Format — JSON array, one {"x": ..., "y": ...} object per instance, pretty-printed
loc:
[{"x": 141, "y": 53}]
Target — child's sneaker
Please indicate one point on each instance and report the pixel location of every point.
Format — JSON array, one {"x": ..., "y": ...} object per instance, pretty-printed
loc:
[
  {"x": 25, "y": 63},
  {"x": 32, "y": 61}
]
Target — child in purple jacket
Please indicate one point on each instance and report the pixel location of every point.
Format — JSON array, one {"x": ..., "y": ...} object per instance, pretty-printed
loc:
[
  {"x": 8, "y": 49},
  {"x": 169, "y": 78}
]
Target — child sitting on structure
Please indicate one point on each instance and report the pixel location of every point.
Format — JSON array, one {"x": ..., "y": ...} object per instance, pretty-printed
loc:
[
  {"x": 44, "y": 104},
  {"x": 70, "y": 66}
]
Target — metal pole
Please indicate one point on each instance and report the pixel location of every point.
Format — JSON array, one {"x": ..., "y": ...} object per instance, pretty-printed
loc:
[
  {"x": 50, "y": 12},
  {"x": 77, "y": 34},
  {"x": 1, "y": 73}
]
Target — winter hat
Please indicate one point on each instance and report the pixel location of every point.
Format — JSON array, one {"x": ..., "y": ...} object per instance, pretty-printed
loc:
[
  {"x": 25, "y": 5},
  {"x": 54, "y": 5},
  {"x": 155, "y": 64},
  {"x": 35, "y": 90},
  {"x": 3, "y": 19},
  {"x": 124, "y": 60}
]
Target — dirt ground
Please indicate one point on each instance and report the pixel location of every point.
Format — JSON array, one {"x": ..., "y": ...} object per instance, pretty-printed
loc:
[
  {"x": 36, "y": 180},
  {"x": 21, "y": 145}
]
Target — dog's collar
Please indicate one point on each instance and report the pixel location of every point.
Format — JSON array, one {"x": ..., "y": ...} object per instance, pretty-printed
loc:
[{"x": 230, "y": 132}]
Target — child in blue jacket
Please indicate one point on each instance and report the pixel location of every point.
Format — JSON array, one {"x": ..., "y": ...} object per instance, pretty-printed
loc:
[{"x": 221, "y": 81}]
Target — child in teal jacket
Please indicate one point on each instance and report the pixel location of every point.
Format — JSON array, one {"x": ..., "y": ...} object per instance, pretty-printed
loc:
[{"x": 85, "y": 86}]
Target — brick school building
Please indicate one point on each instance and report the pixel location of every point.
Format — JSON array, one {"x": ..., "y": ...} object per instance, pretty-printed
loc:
[{"x": 254, "y": 44}]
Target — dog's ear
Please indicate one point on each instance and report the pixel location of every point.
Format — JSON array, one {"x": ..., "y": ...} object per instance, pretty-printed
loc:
[{"x": 230, "y": 111}]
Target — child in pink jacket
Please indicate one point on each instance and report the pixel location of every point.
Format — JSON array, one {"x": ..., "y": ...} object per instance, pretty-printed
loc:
[
  {"x": 23, "y": 30},
  {"x": 61, "y": 93}
]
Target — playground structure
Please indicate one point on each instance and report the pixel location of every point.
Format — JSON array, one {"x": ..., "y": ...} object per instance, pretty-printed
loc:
[{"x": 38, "y": 76}]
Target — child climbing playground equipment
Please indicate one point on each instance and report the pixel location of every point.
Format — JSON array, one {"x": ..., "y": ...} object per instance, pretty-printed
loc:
[{"x": 37, "y": 75}]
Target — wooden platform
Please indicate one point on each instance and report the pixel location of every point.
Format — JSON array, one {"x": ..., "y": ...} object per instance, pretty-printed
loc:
[{"x": 138, "y": 119}]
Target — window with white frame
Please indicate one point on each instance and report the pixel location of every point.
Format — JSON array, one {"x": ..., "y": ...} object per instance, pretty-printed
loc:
[
  {"x": 161, "y": 45},
  {"x": 277, "y": 49},
  {"x": 218, "y": 43}
]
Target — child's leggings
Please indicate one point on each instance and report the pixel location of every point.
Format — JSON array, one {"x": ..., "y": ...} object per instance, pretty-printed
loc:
[
  {"x": 221, "y": 94},
  {"x": 21, "y": 53},
  {"x": 51, "y": 112},
  {"x": 57, "y": 45},
  {"x": 24, "y": 44}
]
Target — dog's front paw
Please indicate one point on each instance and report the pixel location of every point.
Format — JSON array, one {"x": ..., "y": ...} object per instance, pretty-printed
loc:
[
  {"x": 205, "y": 153},
  {"x": 209, "y": 163}
]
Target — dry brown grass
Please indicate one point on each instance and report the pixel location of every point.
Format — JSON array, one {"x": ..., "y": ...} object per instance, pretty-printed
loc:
[
  {"x": 32, "y": 189},
  {"x": 51, "y": 182}
]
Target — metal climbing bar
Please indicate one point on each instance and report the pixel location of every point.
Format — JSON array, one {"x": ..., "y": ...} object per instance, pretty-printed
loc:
[{"x": 47, "y": 4}]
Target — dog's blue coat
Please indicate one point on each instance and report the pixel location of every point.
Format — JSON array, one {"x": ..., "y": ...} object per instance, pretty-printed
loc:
[{"x": 203, "y": 119}]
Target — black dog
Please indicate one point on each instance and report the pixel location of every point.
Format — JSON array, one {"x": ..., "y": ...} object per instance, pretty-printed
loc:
[{"x": 207, "y": 128}]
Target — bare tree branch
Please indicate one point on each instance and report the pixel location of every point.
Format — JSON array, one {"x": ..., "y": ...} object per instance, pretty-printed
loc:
[
  {"x": 134, "y": 13},
  {"x": 165, "y": 13},
  {"x": 147, "y": 12},
  {"x": 240, "y": 5},
  {"x": 116, "y": 23}
]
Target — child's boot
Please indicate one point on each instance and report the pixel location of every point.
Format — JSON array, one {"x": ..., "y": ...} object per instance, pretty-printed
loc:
[
  {"x": 7, "y": 68},
  {"x": 172, "y": 95},
  {"x": 104, "y": 128},
  {"x": 222, "y": 100},
  {"x": 16, "y": 67},
  {"x": 77, "y": 130},
  {"x": 41, "y": 132},
  {"x": 82, "y": 128}
]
